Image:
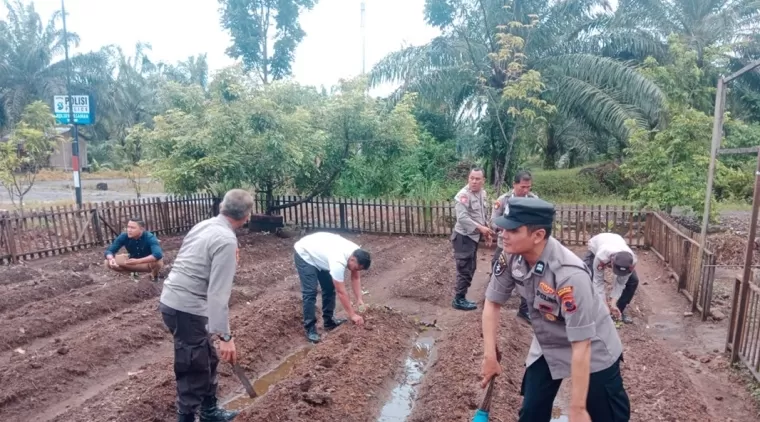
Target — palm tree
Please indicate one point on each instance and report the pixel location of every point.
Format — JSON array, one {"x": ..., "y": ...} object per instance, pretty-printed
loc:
[
  {"x": 461, "y": 68},
  {"x": 28, "y": 67}
]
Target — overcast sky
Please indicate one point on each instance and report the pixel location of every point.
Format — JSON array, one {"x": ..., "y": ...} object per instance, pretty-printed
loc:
[{"x": 176, "y": 30}]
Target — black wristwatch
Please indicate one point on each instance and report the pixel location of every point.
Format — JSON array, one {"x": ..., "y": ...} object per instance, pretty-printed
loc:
[{"x": 225, "y": 337}]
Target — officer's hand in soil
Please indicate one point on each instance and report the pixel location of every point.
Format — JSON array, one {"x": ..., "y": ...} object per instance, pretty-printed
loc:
[
  {"x": 357, "y": 319},
  {"x": 579, "y": 415},
  {"x": 112, "y": 263},
  {"x": 227, "y": 351},
  {"x": 490, "y": 369}
]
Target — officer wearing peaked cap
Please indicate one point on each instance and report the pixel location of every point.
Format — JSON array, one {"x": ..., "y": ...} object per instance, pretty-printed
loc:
[{"x": 574, "y": 336}]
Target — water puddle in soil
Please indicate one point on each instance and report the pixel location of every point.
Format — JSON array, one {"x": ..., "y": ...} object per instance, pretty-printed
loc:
[
  {"x": 265, "y": 382},
  {"x": 399, "y": 406}
]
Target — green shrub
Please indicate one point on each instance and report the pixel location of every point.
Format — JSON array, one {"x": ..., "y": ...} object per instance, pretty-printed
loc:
[{"x": 570, "y": 185}]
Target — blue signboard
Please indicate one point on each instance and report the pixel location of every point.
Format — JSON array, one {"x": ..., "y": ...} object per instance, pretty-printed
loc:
[{"x": 84, "y": 110}]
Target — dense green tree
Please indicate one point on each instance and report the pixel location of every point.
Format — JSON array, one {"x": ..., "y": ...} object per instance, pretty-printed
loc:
[{"x": 265, "y": 34}]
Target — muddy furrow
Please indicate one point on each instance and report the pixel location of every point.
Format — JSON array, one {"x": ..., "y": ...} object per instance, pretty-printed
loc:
[
  {"x": 265, "y": 331},
  {"x": 343, "y": 378},
  {"x": 451, "y": 388}
]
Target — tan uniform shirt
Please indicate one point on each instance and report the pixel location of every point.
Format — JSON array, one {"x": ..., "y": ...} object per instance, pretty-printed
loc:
[
  {"x": 499, "y": 208},
  {"x": 471, "y": 210},
  {"x": 563, "y": 307},
  {"x": 603, "y": 246}
]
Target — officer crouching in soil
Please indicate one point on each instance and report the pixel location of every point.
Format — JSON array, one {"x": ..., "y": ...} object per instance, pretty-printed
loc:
[
  {"x": 574, "y": 335},
  {"x": 196, "y": 294},
  {"x": 611, "y": 250}
]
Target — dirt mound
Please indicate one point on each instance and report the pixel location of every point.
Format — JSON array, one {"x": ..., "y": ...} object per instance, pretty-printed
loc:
[
  {"x": 730, "y": 249},
  {"x": 18, "y": 274},
  {"x": 434, "y": 281},
  {"x": 655, "y": 385},
  {"x": 451, "y": 391},
  {"x": 264, "y": 331},
  {"x": 46, "y": 317},
  {"x": 13, "y": 296},
  {"x": 342, "y": 378}
]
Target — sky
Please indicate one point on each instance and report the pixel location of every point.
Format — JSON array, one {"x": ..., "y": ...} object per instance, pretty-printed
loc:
[{"x": 331, "y": 49}]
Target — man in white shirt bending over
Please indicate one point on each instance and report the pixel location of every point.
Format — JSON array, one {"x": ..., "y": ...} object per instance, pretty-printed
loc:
[
  {"x": 322, "y": 259},
  {"x": 610, "y": 250}
]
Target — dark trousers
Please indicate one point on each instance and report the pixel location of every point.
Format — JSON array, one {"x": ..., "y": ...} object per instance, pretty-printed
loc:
[
  {"x": 523, "y": 302},
  {"x": 311, "y": 278},
  {"x": 195, "y": 358},
  {"x": 466, "y": 256},
  {"x": 630, "y": 286},
  {"x": 606, "y": 401}
]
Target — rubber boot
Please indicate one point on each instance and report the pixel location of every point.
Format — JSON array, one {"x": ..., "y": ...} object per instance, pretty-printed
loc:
[
  {"x": 210, "y": 412},
  {"x": 334, "y": 323}
]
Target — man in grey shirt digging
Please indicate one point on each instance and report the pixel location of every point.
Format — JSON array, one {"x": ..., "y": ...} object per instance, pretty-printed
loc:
[{"x": 196, "y": 295}]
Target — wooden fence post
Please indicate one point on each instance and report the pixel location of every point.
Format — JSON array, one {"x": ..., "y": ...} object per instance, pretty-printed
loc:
[
  {"x": 95, "y": 215},
  {"x": 682, "y": 276},
  {"x": 342, "y": 208},
  {"x": 10, "y": 237}
]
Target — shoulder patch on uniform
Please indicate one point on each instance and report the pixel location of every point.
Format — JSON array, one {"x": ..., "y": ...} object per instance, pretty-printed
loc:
[
  {"x": 501, "y": 265},
  {"x": 545, "y": 288},
  {"x": 568, "y": 302},
  {"x": 462, "y": 197},
  {"x": 540, "y": 266},
  {"x": 550, "y": 317},
  {"x": 567, "y": 290}
]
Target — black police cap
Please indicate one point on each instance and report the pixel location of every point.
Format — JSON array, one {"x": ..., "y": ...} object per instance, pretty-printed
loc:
[{"x": 526, "y": 212}]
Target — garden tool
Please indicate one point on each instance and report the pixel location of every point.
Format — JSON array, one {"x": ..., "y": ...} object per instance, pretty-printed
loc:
[
  {"x": 240, "y": 373},
  {"x": 481, "y": 415}
]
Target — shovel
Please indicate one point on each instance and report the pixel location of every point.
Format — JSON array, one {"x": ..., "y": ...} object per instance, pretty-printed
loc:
[
  {"x": 481, "y": 415},
  {"x": 240, "y": 373}
]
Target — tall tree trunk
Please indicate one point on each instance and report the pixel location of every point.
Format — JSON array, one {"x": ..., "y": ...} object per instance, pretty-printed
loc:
[{"x": 551, "y": 152}]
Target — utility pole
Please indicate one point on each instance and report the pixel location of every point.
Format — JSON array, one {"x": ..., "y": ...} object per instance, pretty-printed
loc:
[
  {"x": 364, "y": 37},
  {"x": 75, "y": 144}
]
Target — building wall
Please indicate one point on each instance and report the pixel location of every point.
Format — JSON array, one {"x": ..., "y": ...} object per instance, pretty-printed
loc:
[{"x": 61, "y": 158}]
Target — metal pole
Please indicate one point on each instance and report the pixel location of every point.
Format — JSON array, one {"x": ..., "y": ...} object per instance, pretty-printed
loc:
[
  {"x": 744, "y": 290},
  {"x": 720, "y": 102},
  {"x": 364, "y": 38},
  {"x": 75, "y": 144}
]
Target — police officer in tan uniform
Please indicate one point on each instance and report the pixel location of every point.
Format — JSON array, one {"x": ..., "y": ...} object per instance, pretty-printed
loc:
[
  {"x": 521, "y": 187},
  {"x": 471, "y": 208},
  {"x": 574, "y": 336}
]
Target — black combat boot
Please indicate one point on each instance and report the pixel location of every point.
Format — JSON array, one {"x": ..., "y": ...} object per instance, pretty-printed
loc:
[
  {"x": 461, "y": 303},
  {"x": 333, "y": 323},
  {"x": 210, "y": 412},
  {"x": 312, "y": 335},
  {"x": 627, "y": 319},
  {"x": 185, "y": 417}
]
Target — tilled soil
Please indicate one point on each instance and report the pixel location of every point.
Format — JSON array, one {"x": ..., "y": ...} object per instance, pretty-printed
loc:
[
  {"x": 343, "y": 378},
  {"x": 81, "y": 343},
  {"x": 265, "y": 330}
]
